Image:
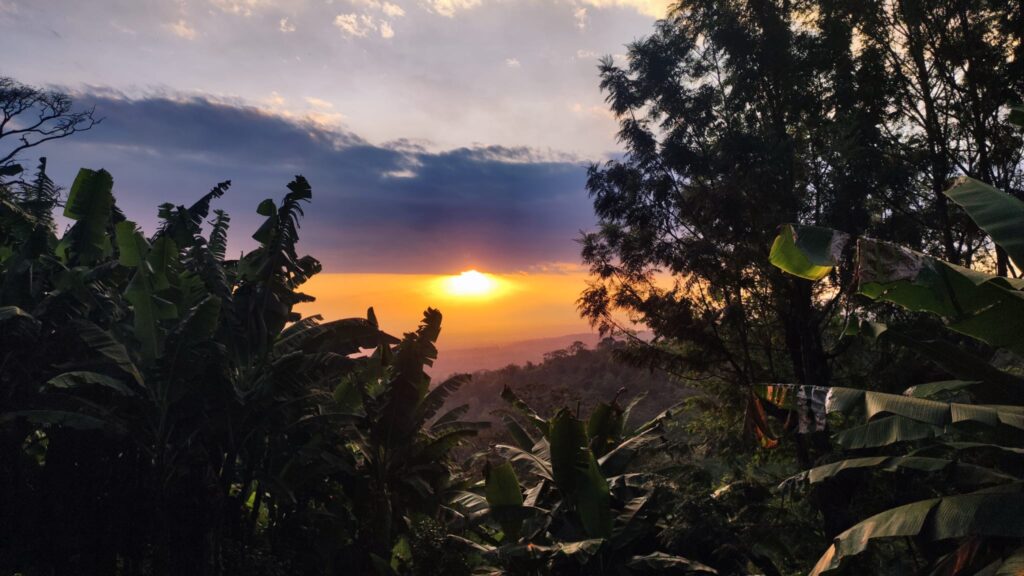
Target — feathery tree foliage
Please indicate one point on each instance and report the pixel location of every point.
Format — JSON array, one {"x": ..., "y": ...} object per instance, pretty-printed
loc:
[{"x": 739, "y": 115}]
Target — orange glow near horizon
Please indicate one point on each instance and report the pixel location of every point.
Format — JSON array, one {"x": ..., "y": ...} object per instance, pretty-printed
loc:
[{"x": 479, "y": 309}]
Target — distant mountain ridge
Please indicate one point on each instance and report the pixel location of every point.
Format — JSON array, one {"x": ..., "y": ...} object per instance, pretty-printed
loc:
[{"x": 469, "y": 360}]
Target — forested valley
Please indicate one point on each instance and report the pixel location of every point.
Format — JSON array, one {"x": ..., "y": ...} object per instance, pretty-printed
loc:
[{"x": 818, "y": 213}]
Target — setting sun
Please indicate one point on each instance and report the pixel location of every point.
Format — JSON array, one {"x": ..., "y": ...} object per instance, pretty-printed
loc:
[{"x": 471, "y": 283}]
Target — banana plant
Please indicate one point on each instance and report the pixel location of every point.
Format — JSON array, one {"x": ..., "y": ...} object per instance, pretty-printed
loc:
[
  {"x": 400, "y": 440},
  {"x": 158, "y": 398},
  {"x": 581, "y": 510},
  {"x": 966, "y": 432}
]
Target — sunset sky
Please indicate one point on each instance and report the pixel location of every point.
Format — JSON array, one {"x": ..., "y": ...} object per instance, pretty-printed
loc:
[{"x": 439, "y": 135}]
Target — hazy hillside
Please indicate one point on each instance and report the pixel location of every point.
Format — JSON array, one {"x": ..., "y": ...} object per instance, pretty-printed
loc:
[
  {"x": 576, "y": 374},
  {"x": 469, "y": 360}
]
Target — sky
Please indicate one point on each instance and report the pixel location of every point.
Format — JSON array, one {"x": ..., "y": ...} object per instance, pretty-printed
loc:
[{"x": 438, "y": 135}]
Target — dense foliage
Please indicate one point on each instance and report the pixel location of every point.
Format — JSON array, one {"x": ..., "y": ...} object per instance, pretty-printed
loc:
[
  {"x": 841, "y": 396},
  {"x": 963, "y": 437},
  {"x": 164, "y": 410},
  {"x": 738, "y": 116}
]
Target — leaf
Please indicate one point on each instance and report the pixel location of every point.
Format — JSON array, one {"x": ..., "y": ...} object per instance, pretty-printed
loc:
[
  {"x": 77, "y": 379},
  {"x": 434, "y": 399},
  {"x": 450, "y": 416},
  {"x": 539, "y": 423},
  {"x": 932, "y": 389},
  {"x": 504, "y": 494},
  {"x": 996, "y": 512},
  {"x": 1000, "y": 215},
  {"x": 577, "y": 475},
  {"x": 661, "y": 563},
  {"x": 999, "y": 386},
  {"x": 540, "y": 466},
  {"x": 920, "y": 409},
  {"x": 983, "y": 306},
  {"x": 218, "y": 241},
  {"x": 618, "y": 459},
  {"x": 100, "y": 343},
  {"x": 519, "y": 435},
  {"x": 1013, "y": 565},
  {"x": 885, "y": 431},
  {"x": 907, "y": 520},
  {"x": 809, "y": 252},
  {"x": 18, "y": 325},
  {"x": 148, "y": 309},
  {"x": 962, "y": 473},
  {"x": 90, "y": 204},
  {"x": 604, "y": 427}
]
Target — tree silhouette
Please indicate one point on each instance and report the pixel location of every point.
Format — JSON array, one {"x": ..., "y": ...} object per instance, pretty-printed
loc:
[{"x": 32, "y": 116}]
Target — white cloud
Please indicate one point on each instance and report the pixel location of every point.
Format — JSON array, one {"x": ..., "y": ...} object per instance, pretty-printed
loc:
[
  {"x": 392, "y": 10},
  {"x": 364, "y": 22},
  {"x": 513, "y": 63},
  {"x": 655, "y": 8},
  {"x": 585, "y": 54},
  {"x": 355, "y": 24},
  {"x": 275, "y": 100},
  {"x": 450, "y": 7},
  {"x": 404, "y": 173},
  {"x": 286, "y": 26},
  {"x": 182, "y": 29},
  {"x": 580, "y": 14},
  {"x": 318, "y": 103},
  {"x": 239, "y": 7}
]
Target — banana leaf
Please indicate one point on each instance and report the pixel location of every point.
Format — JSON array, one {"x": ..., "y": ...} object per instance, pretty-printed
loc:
[{"x": 996, "y": 512}]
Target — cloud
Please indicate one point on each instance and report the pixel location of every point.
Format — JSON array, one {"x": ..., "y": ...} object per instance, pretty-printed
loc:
[
  {"x": 392, "y": 10},
  {"x": 580, "y": 15},
  {"x": 183, "y": 29},
  {"x": 655, "y": 8},
  {"x": 355, "y": 24},
  {"x": 239, "y": 7},
  {"x": 318, "y": 103},
  {"x": 286, "y": 26},
  {"x": 362, "y": 24},
  {"x": 449, "y": 8},
  {"x": 513, "y": 63},
  {"x": 395, "y": 207}
]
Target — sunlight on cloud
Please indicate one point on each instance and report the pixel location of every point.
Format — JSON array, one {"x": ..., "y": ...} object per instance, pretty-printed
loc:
[
  {"x": 362, "y": 24},
  {"x": 355, "y": 24},
  {"x": 392, "y": 10},
  {"x": 450, "y": 7},
  {"x": 580, "y": 14},
  {"x": 286, "y": 26},
  {"x": 240, "y": 7},
  {"x": 655, "y": 8},
  {"x": 182, "y": 29},
  {"x": 318, "y": 103}
]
